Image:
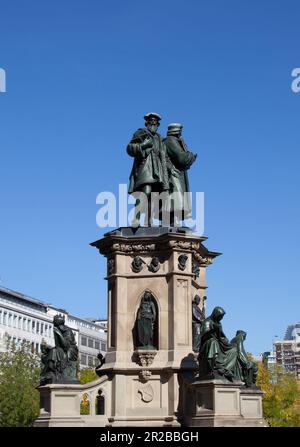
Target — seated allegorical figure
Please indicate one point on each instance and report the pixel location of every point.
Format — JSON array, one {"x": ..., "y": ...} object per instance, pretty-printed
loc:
[
  {"x": 59, "y": 363},
  {"x": 246, "y": 370},
  {"x": 219, "y": 358}
]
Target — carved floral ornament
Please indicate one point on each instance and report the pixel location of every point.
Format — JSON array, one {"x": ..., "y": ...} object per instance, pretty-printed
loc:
[
  {"x": 204, "y": 261},
  {"x": 185, "y": 245},
  {"x": 131, "y": 248},
  {"x": 192, "y": 246},
  {"x": 146, "y": 358}
]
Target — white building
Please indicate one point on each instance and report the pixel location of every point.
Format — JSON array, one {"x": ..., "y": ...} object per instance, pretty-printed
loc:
[
  {"x": 288, "y": 350},
  {"x": 24, "y": 318}
]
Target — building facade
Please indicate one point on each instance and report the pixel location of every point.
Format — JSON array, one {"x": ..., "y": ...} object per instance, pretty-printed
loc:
[
  {"x": 287, "y": 351},
  {"x": 23, "y": 318}
]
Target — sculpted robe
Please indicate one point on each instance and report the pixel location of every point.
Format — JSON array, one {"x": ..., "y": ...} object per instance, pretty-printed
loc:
[
  {"x": 146, "y": 318},
  {"x": 216, "y": 354},
  {"x": 179, "y": 160},
  {"x": 149, "y": 167}
]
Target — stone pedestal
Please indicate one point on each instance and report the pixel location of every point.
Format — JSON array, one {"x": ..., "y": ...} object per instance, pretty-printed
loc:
[
  {"x": 142, "y": 387},
  {"x": 218, "y": 403},
  {"x": 146, "y": 383}
]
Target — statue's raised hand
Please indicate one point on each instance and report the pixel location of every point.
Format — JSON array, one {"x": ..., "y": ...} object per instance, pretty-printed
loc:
[{"x": 147, "y": 144}]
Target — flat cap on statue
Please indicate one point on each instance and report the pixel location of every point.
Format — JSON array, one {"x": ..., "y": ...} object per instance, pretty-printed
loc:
[
  {"x": 173, "y": 127},
  {"x": 152, "y": 114}
]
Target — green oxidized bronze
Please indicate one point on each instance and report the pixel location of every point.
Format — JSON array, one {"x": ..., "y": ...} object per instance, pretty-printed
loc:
[
  {"x": 59, "y": 364},
  {"x": 198, "y": 316},
  {"x": 219, "y": 358},
  {"x": 160, "y": 166},
  {"x": 149, "y": 172},
  {"x": 146, "y": 320},
  {"x": 179, "y": 160}
]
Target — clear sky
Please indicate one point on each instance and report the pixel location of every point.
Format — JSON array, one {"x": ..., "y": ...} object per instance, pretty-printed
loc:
[{"x": 81, "y": 75}]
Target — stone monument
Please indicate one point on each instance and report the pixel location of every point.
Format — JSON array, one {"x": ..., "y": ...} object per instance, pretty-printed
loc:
[{"x": 156, "y": 281}]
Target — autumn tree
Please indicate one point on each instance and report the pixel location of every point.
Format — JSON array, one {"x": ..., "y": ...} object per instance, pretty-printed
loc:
[
  {"x": 281, "y": 393},
  {"x": 19, "y": 377},
  {"x": 87, "y": 375}
]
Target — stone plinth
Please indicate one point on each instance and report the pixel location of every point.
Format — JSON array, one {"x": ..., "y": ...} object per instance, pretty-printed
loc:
[
  {"x": 219, "y": 403},
  {"x": 142, "y": 387}
]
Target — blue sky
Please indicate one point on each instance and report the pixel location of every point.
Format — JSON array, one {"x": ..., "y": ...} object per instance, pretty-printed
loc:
[{"x": 80, "y": 77}]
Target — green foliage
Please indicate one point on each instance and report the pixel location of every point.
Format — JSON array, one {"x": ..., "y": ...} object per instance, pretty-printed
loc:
[
  {"x": 19, "y": 376},
  {"x": 280, "y": 396},
  {"x": 88, "y": 375},
  {"x": 85, "y": 405}
]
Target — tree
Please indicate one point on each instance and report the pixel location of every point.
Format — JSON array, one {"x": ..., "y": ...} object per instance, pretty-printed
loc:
[
  {"x": 281, "y": 393},
  {"x": 19, "y": 377},
  {"x": 88, "y": 375}
]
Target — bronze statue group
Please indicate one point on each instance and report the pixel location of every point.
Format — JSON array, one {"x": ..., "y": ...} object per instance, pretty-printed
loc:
[
  {"x": 218, "y": 357},
  {"x": 160, "y": 166}
]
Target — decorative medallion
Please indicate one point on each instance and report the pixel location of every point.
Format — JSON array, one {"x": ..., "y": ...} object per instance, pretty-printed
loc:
[
  {"x": 182, "y": 259},
  {"x": 154, "y": 266},
  {"x": 137, "y": 264}
]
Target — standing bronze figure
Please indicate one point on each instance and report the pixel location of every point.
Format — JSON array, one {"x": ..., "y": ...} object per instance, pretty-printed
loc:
[
  {"x": 146, "y": 318},
  {"x": 149, "y": 172},
  {"x": 180, "y": 159},
  {"x": 197, "y": 320}
]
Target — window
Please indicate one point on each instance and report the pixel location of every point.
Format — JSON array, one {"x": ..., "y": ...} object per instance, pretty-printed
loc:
[
  {"x": 91, "y": 343},
  {"x": 83, "y": 341},
  {"x": 91, "y": 361},
  {"x": 33, "y": 326},
  {"x": 24, "y": 324},
  {"x": 83, "y": 359},
  {"x": 20, "y": 323},
  {"x": 37, "y": 327},
  {"x": 42, "y": 328},
  {"x": 15, "y": 321},
  {"x": 37, "y": 348},
  {"x": 97, "y": 345},
  {"x": 103, "y": 346}
]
